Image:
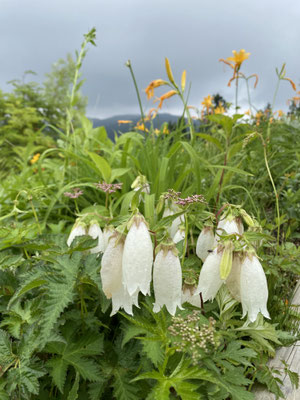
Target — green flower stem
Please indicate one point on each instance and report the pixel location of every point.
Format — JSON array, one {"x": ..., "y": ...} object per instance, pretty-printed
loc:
[
  {"x": 236, "y": 93},
  {"x": 128, "y": 64}
]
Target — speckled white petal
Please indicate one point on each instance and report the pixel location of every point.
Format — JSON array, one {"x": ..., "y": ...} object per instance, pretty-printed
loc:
[
  {"x": 111, "y": 267},
  {"x": 187, "y": 296},
  {"x": 167, "y": 281},
  {"x": 78, "y": 230},
  {"x": 179, "y": 236},
  {"x": 107, "y": 233},
  {"x": 137, "y": 259},
  {"x": 209, "y": 279},
  {"x": 122, "y": 299},
  {"x": 205, "y": 242},
  {"x": 96, "y": 232},
  {"x": 254, "y": 288},
  {"x": 233, "y": 282}
]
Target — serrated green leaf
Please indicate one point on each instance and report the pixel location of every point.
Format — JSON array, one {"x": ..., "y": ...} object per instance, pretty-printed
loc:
[
  {"x": 102, "y": 165},
  {"x": 73, "y": 394}
]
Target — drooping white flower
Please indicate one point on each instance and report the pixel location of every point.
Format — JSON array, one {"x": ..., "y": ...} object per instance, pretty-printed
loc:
[
  {"x": 187, "y": 296},
  {"x": 176, "y": 222},
  {"x": 111, "y": 266},
  {"x": 179, "y": 235},
  {"x": 167, "y": 280},
  {"x": 205, "y": 242},
  {"x": 230, "y": 225},
  {"x": 233, "y": 282},
  {"x": 137, "y": 257},
  {"x": 96, "y": 233},
  {"x": 122, "y": 299},
  {"x": 209, "y": 279},
  {"x": 254, "y": 288},
  {"x": 79, "y": 229}
]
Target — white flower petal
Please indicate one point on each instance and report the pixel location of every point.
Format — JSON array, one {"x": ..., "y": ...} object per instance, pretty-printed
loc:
[
  {"x": 122, "y": 299},
  {"x": 107, "y": 233},
  {"x": 187, "y": 296},
  {"x": 209, "y": 279},
  {"x": 78, "y": 230},
  {"x": 205, "y": 242},
  {"x": 254, "y": 288},
  {"x": 137, "y": 259},
  {"x": 179, "y": 236},
  {"x": 111, "y": 267},
  {"x": 96, "y": 232},
  {"x": 167, "y": 281}
]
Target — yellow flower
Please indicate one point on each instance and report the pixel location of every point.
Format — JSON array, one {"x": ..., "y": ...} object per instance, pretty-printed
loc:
[
  {"x": 166, "y": 130},
  {"x": 207, "y": 102},
  {"x": 220, "y": 109},
  {"x": 166, "y": 96},
  {"x": 35, "y": 158},
  {"x": 248, "y": 112},
  {"x": 124, "y": 121},
  {"x": 169, "y": 71},
  {"x": 152, "y": 85},
  {"x": 238, "y": 58},
  {"x": 183, "y": 80},
  {"x": 141, "y": 127},
  {"x": 280, "y": 113}
]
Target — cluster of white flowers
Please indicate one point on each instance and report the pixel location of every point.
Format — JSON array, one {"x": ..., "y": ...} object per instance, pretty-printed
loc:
[
  {"x": 127, "y": 262},
  {"x": 240, "y": 270}
]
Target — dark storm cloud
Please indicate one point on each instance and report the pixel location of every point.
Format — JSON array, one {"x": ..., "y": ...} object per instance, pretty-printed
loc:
[{"x": 193, "y": 34}]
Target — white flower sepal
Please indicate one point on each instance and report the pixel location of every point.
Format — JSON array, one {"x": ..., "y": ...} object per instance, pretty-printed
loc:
[
  {"x": 254, "y": 288},
  {"x": 79, "y": 229},
  {"x": 205, "y": 242},
  {"x": 137, "y": 257},
  {"x": 167, "y": 279},
  {"x": 96, "y": 233},
  {"x": 209, "y": 279}
]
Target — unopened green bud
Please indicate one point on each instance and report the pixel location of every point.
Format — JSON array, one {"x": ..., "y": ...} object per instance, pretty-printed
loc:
[
  {"x": 249, "y": 221},
  {"x": 226, "y": 260}
]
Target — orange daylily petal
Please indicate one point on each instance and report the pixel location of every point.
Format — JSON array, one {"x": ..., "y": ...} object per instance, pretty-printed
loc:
[
  {"x": 291, "y": 82},
  {"x": 227, "y": 62},
  {"x": 166, "y": 96},
  {"x": 152, "y": 85},
  {"x": 124, "y": 121}
]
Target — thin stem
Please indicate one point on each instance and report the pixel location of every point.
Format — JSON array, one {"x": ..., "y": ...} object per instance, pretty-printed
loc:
[
  {"x": 236, "y": 93},
  {"x": 186, "y": 110},
  {"x": 35, "y": 217},
  {"x": 128, "y": 64}
]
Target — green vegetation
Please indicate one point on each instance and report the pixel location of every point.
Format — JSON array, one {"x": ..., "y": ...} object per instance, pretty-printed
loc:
[{"x": 58, "y": 339}]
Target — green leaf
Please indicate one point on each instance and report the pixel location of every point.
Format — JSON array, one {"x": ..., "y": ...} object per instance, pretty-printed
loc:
[
  {"x": 123, "y": 390},
  {"x": 117, "y": 172},
  {"x": 211, "y": 139},
  {"x": 102, "y": 166},
  {"x": 58, "y": 371},
  {"x": 73, "y": 394}
]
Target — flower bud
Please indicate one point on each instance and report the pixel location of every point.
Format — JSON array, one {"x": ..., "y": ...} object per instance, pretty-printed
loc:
[
  {"x": 96, "y": 232},
  {"x": 167, "y": 280},
  {"x": 226, "y": 260},
  {"x": 205, "y": 242},
  {"x": 137, "y": 257},
  {"x": 249, "y": 221}
]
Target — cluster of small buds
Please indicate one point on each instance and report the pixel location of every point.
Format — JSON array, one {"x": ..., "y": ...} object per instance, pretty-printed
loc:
[
  {"x": 193, "y": 338},
  {"x": 195, "y": 198},
  {"x": 76, "y": 192},
  {"x": 109, "y": 187},
  {"x": 172, "y": 194}
]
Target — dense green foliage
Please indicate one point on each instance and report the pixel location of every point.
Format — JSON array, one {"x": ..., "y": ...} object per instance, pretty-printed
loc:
[{"x": 57, "y": 338}]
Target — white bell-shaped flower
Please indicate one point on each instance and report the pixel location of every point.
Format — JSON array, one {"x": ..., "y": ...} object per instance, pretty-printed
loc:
[
  {"x": 176, "y": 222},
  {"x": 209, "y": 279},
  {"x": 137, "y": 257},
  {"x": 96, "y": 233},
  {"x": 167, "y": 279},
  {"x": 205, "y": 242},
  {"x": 108, "y": 231},
  {"x": 122, "y": 299},
  {"x": 187, "y": 296},
  {"x": 179, "y": 235},
  {"x": 111, "y": 266},
  {"x": 254, "y": 288},
  {"x": 230, "y": 225},
  {"x": 79, "y": 229}
]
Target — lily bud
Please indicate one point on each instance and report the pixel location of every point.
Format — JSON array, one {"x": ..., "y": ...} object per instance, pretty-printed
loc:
[
  {"x": 79, "y": 229},
  {"x": 205, "y": 242},
  {"x": 226, "y": 260},
  {"x": 209, "y": 279},
  {"x": 254, "y": 288},
  {"x": 137, "y": 257},
  {"x": 167, "y": 280}
]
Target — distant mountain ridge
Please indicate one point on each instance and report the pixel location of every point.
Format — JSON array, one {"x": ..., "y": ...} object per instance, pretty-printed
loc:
[{"x": 111, "y": 124}]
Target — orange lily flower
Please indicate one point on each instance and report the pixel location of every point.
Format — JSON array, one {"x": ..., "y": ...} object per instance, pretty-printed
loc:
[
  {"x": 238, "y": 58},
  {"x": 166, "y": 96},
  {"x": 219, "y": 110},
  {"x": 207, "y": 102},
  {"x": 152, "y": 85},
  {"x": 35, "y": 158},
  {"x": 124, "y": 121}
]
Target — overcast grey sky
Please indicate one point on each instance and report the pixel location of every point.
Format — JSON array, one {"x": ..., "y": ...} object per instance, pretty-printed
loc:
[{"x": 193, "y": 34}]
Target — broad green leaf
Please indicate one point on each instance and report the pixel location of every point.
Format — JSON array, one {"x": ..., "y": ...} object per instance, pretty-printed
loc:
[
  {"x": 73, "y": 394},
  {"x": 102, "y": 165}
]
